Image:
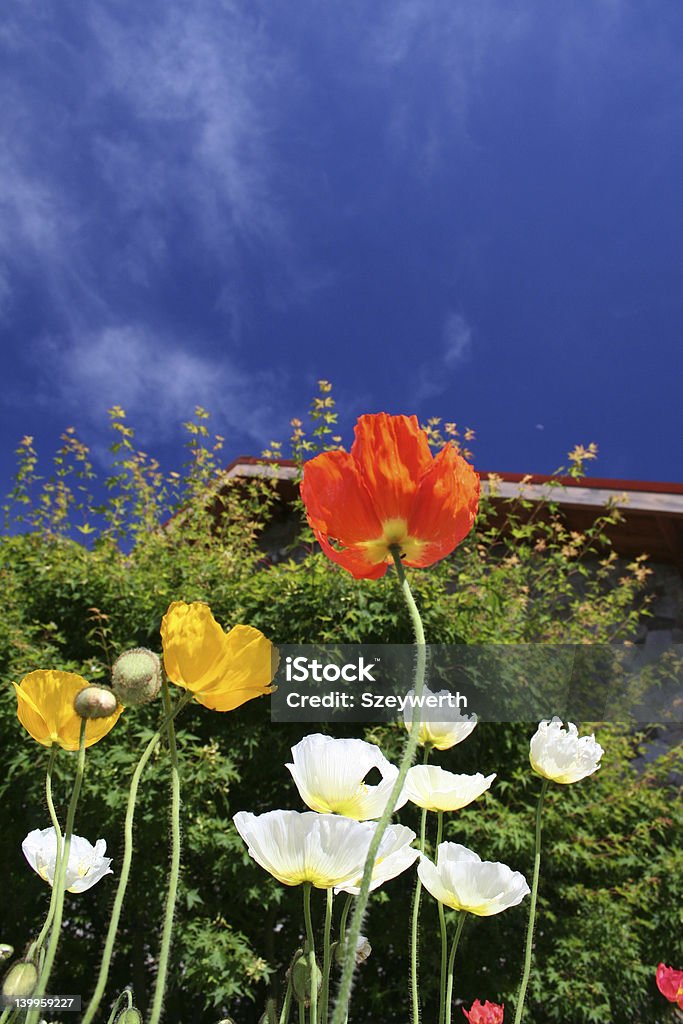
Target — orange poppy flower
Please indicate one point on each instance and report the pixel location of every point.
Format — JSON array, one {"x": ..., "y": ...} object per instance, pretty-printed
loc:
[{"x": 388, "y": 491}]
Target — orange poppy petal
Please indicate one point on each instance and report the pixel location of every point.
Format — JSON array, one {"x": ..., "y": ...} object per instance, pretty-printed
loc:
[
  {"x": 392, "y": 454},
  {"x": 358, "y": 561},
  {"x": 337, "y": 501},
  {"x": 445, "y": 507}
]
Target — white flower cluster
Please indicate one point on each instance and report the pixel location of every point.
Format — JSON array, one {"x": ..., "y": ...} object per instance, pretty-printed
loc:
[{"x": 328, "y": 845}]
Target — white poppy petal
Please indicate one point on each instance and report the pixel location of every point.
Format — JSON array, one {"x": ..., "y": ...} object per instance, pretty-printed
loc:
[
  {"x": 433, "y": 788},
  {"x": 561, "y": 755},
  {"x": 461, "y": 880},
  {"x": 86, "y": 866},
  {"x": 324, "y": 849},
  {"x": 329, "y": 774}
]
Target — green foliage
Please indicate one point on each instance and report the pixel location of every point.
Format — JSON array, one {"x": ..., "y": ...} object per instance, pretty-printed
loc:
[{"x": 89, "y": 566}]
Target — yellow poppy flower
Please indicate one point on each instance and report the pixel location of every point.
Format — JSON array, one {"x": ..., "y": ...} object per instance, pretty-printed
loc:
[
  {"x": 222, "y": 670},
  {"x": 45, "y": 707}
]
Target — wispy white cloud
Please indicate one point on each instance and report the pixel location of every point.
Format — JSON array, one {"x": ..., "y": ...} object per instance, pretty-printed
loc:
[
  {"x": 157, "y": 382},
  {"x": 435, "y": 376},
  {"x": 156, "y": 133},
  {"x": 457, "y": 340}
]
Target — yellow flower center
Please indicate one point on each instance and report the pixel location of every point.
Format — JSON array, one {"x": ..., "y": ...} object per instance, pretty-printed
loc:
[{"x": 394, "y": 534}]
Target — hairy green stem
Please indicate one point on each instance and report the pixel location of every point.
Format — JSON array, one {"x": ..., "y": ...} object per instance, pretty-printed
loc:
[
  {"x": 311, "y": 952},
  {"x": 287, "y": 1002},
  {"x": 451, "y": 960},
  {"x": 344, "y": 994},
  {"x": 174, "y": 875},
  {"x": 327, "y": 958},
  {"x": 444, "y": 935},
  {"x": 60, "y": 878},
  {"x": 521, "y": 995},
  {"x": 414, "y": 993},
  {"x": 342, "y": 922},
  {"x": 103, "y": 974},
  {"x": 37, "y": 945}
]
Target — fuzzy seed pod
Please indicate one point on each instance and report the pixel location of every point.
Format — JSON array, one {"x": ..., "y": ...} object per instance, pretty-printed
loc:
[
  {"x": 20, "y": 981},
  {"x": 301, "y": 979},
  {"x": 136, "y": 676},
  {"x": 95, "y": 702},
  {"x": 130, "y": 1016}
]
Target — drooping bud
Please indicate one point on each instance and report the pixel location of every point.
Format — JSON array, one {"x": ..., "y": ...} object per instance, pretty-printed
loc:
[
  {"x": 136, "y": 676},
  {"x": 5, "y": 951},
  {"x": 301, "y": 979},
  {"x": 95, "y": 702},
  {"x": 130, "y": 1016},
  {"x": 20, "y": 981},
  {"x": 363, "y": 950}
]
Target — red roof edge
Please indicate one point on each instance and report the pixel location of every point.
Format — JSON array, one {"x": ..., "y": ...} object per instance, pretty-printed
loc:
[{"x": 606, "y": 483}]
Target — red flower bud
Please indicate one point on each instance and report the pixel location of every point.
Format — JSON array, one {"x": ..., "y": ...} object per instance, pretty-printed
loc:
[
  {"x": 670, "y": 984},
  {"x": 485, "y": 1013}
]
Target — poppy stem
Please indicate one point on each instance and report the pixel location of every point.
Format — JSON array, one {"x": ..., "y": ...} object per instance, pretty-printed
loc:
[
  {"x": 451, "y": 960},
  {"x": 103, "y": 974},
  {"x": 160, "y": 987},
  {"x": 415, "y": 618},
  {"x": 287, "y": 1002},
  {"x": 344, "y": 918},
  {"x": 414, "y": 930},
  {"x": 37, "y": 944},
  {"x": 327, "y": 958},
  {"x": 532, "y": 909},
  {"x": 311, "y": 952},
  {"x": 444, "y": 935},
  {"x": 340, "y": 1012},
  {"x": 60, "y": 878}
]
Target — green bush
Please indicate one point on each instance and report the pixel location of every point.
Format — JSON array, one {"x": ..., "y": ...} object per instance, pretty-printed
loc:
[{"x": 612, "y": 882}]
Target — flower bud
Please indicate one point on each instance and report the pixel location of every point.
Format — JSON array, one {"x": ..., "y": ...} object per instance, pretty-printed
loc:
[
  {"x": 301, "y": 979},
  {"x": 95, "y": 702},
  {"x": 130, "y": 1016},
  {"x": 363, "y": 950},
  {"x": 20, "y": 981},
  {"x": 136, "y": 676},
  {"x": 5, "y": 951}
]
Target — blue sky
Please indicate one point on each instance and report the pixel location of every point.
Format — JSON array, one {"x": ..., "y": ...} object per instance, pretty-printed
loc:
[{"x": 465, "y": 209}]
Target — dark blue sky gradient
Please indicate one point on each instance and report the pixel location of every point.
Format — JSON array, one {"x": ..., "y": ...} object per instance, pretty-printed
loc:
[{"x": 469, "y": 210}]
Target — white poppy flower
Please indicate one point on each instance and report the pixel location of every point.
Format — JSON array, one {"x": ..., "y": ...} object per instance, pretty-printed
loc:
[
  {"x": 329, "y": 775},
  {"x": 441, "y": 735},
  {"x": 395, "y": 854},
  {"x": 87, "y": 863},
  {"x": 461, "y": 880},
  {"x": 562, "y": 755},
  {"x": 430, "y": 786},
  {"x": 324, "y": 849}
]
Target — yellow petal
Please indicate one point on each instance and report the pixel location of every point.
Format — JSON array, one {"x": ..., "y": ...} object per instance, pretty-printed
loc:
[
  {"x": 222, "y": 670},
  {"x": 45, "y": 700}
]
